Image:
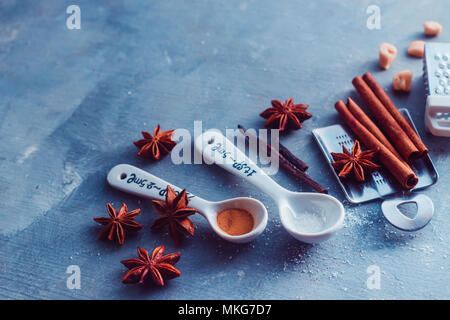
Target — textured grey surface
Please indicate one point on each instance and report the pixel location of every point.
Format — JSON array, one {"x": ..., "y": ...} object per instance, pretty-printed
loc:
[{"x": 72, "y": 102}]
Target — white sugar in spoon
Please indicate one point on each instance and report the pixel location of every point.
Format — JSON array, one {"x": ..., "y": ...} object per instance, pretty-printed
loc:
[
  {"x": 143, "y": 184},
  {"x": 308, "y": 217}
]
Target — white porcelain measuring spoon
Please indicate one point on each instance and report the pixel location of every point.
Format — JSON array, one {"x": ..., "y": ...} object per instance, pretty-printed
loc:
[
  {"x": 133, "y": 180},
  {"x": 308, "y": 217}
]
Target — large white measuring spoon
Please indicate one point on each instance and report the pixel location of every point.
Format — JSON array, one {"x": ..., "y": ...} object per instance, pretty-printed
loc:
[
  {"x": 133, "y": 180},
  {"x": 308, "y": 217}
]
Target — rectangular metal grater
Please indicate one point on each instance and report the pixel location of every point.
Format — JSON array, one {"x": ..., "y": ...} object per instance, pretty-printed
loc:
[
  {"x": 436, "y": 76},
  {"x": 380, "y": 183}
]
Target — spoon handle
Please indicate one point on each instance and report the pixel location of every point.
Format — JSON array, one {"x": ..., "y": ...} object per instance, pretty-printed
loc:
[
  {"x": 217, "y": 149},
  {"x": 133, "y": 180}
]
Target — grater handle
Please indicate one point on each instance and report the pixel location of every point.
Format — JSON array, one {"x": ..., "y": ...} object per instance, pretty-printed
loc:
[{"x": 435, "y": 105}]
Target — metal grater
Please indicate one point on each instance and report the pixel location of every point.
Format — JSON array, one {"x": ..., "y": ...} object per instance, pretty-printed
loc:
[
  {"x": 436, "y": 75},
  {"x": 380, "y": 184}
]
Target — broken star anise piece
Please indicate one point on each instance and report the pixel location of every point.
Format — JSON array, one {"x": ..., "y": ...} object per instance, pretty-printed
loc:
[
  {"x": 285, "y": 115},
  {"x": 175, "y": 212},
  {"x": 118, "y": 221},
  {"x": 158, "y": 267},
  {"x": 155, "y": 146},
  {"x": 355, "y": 163}
]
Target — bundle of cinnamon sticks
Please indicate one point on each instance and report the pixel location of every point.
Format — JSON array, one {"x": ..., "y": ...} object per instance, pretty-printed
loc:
[{"x": 397, "y": 142}]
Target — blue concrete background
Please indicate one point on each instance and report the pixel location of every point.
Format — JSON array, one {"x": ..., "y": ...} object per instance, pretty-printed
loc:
[{"x": 73, "y": 101}]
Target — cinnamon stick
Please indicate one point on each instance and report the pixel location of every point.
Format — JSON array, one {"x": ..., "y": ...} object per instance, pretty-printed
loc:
[
  {"x": 299, "y": 164},
  {"x": 392, "y": 129},
  {"x": 303, "y": 176},
  {"x": 389, "y": 105},
  {"x": 362, "y": 117},
  {"x": 401, "y": 172},
  {"x": 287, "y": 165}
]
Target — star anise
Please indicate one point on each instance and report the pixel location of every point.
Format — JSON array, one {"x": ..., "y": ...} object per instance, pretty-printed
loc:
[
  {"x": 158, "y": 267},
  {"x": 118, "y": 221},
  {"x": 175, "y": 213},
  {"x": 285, "y": 115},
  {"x": 354, "y": 163},
  {"x": 155, "y": 146}
]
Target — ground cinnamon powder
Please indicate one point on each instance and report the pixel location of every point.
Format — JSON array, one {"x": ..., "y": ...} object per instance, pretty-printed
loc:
[{"x": 235, "y": 221}]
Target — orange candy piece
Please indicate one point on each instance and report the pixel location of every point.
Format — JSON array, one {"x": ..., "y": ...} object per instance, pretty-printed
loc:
[
  {"x": 402, "y": 81},
  {"x": 388, "y": 52},
  {"x": 432, "y": 28},
  {"x": 416, "y": 48}
]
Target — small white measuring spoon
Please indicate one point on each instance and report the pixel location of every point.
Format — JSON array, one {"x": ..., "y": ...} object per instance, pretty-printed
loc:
[
  {"x": 133, "y": 180},
  {"x": 308, "y": 217}
]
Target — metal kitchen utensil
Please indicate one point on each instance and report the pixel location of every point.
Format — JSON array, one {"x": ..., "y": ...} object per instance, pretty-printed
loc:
[
  {"x": 436, "y": 75},
  {"x": 380, "y": 184}
]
